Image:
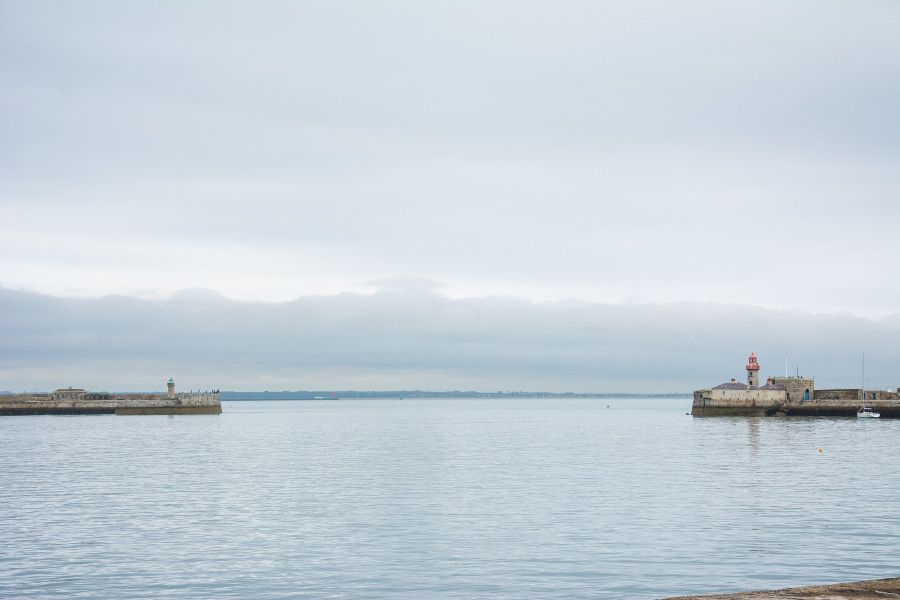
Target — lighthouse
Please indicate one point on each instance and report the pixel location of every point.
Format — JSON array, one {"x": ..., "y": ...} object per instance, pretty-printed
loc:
[
  {"x": 171, "y": 391},
  {"x": 753, "y": 370}
]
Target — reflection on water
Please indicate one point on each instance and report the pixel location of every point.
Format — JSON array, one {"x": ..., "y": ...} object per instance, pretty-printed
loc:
[
  {"x": 753, "y": 436},
  {"x": 443, "y": 498}
]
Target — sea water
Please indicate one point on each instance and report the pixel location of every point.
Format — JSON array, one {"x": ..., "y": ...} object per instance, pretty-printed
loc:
[{"x": 443, "y": 498}]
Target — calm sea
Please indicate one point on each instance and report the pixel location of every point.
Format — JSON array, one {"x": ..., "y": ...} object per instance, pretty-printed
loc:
[{"x": 608, "y": 498}]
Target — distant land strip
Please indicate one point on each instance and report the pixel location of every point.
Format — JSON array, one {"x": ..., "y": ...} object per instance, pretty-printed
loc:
[
  {"x": 858, "y": 590},
  {"x": 361, "y": 394}
]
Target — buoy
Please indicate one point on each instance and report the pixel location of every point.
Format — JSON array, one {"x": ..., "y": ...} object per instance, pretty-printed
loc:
[{"x": 821, "y": 450}]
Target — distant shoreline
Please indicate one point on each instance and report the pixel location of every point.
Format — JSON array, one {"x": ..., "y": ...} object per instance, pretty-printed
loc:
[{"x": 363, "y": 395}]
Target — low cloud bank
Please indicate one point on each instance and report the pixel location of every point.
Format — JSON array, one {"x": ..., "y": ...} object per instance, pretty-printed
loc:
[{"x": 416, "y": 338}]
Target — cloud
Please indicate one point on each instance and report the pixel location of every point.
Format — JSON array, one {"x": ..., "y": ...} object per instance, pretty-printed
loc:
[
  {"x": 405, "y": 284},
  {"x": 414, "y": 339},
  {"x": 736, "y": 166},
  {"x": 723, "y": 152}
]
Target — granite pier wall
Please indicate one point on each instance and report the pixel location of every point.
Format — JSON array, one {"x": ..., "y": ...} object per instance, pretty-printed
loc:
[
  {"x": 825, "y": 403},
  {"x": 118, "y": 404}
]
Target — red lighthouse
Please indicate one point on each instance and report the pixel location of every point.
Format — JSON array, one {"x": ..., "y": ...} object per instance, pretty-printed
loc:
[{"x": 753, "y": 370}]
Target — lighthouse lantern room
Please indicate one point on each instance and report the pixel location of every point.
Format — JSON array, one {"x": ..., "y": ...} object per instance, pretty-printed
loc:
[{"x": 753, "y": 371}]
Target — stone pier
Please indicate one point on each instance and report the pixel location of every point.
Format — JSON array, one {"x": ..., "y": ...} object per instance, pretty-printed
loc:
[
  {"x": 789, "y": 396},
  {"x": 76, "y": 401}
]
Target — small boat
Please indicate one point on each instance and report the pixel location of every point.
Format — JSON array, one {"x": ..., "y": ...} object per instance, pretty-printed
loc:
[{"x": 865, "y": 412}]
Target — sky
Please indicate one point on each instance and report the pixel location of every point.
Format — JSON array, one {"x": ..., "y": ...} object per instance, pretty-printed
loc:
[{"x": 733, "y": 167}]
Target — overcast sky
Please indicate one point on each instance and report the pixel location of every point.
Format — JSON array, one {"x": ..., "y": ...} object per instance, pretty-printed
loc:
[{"x": 653, "y": 156}]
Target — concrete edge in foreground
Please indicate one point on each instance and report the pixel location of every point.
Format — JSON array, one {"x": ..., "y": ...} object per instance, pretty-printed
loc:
[{"x": 858, "y": 590}]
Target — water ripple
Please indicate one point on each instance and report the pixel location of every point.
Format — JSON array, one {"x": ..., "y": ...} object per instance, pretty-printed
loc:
[{"x": 442, "y": 498}]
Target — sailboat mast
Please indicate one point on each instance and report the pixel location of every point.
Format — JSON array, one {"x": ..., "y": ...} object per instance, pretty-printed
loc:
[{"x": 863, "y": 383}]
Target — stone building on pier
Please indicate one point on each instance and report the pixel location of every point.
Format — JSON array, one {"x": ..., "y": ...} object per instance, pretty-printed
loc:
[{"x": 787, "y": 395}]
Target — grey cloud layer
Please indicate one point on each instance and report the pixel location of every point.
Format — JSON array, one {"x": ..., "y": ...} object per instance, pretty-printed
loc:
[
  {"x": 418, "y": 339},
  {"x": 703, "y": 151}
]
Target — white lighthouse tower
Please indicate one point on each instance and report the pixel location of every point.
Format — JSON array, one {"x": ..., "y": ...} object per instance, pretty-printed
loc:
[
  {"x": 171, "y": 391},
  {"x": 753, "y": 370}
]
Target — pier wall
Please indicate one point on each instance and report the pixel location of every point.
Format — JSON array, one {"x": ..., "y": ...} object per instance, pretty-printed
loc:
[
  {"x": 744, "y": 403},
  {"x": 889, "y": 408},
  {"x": 856, "y": 395},
  {"x": 737, "y": 402},
  {"x": 839, "y": 394},
  {"x": 106, "y": 403}
]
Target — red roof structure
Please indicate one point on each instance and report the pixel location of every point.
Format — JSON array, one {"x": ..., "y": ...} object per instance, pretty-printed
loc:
[{"x": 752, "y": 365}]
